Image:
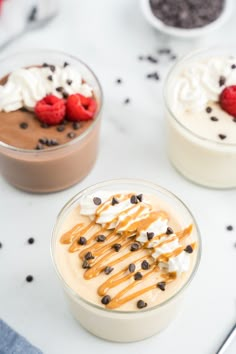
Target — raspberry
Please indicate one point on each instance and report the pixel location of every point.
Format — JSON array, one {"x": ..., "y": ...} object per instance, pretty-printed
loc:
[
  {"x": 50, "y": 110},
  {"x": 79, "y": 107},
  {"x": 228, "y": 100}
]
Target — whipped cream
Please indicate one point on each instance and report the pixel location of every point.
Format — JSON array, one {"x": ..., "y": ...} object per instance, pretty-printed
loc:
[
  {"x": 178, "y": 264},
  {"x": 24, "y": 87},
  {"x": 199, "y": 83}
]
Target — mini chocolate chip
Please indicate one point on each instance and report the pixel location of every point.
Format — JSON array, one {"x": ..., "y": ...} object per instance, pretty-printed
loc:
[
  {"x": 151, "y": 59},
  {"x": 127, "y": 100},
  {"x": 43, "y": 141},
  {"x": 97, "y": 201},
  {"x": 169, "y": 231},
  {"x": 101, "y": 238},
  {"x": 45, "y": 65},
  {"x": 88, "y": 256},
  {"x": 234, "y": 120},
  {"x": 59, "y": 89},
  {"x": 134, "y": 247},
  {"x": 173, "y": 57},
  {"x": 150, "y": 235},
  {"x": 69, "y": 82},
  {"x": 161, "y": 285},
  {"x": 132, "y": 267},
  {"x": 108, "y": 270},
  {"x": 54, "y": 142},
  {"x": 82, "y": 241},
  {"x": 154, "y": 76},
  {"x": 134, "y": 199},
  {"x": 222, "y": 80},
  {"x": 85, "y": 264},
  {"x": 114, "y": 201},
  {"x": 214, "y": 119},
  {"x": 164, "y": 51},
  {"x": 141, "y": 304},
  {"x": 30, "y": 240},
  {"x": 189, "y": 249},
  {"x": 33, "y": 14},
  {"x": 0, "y": 244},
  {"x": 24, "y": 125},
  {"x": 52, "y": 68},
  {"x": 138, "y": 276},
  {"x": 44, "y": 125},
  {"x": 140, "y": 197},
  {"x": 116, "y": 247},
  {"x": 39, "y": 147},
  {"x": 60, "y": 128},
  {"x": 208, "y": 109},
  {"x": 106, "y": 299},
  {"x": 76, "y": 125},
  {"x": 65, "y": 95},
  {"x": 233, "y": 66},
  {"x": 222, "y": 136},
  {"x": 65, "y": 64},
  {"x": 140, "y": 57},
  {"x": 50, "y": 77},
  {"x": 29, "y": 278},
  {"x": 118, "y": 81},
  {"x": 145, "y": 265},
  {"x": 229, "y": 228},
  {"x": 71, "y": 135}
]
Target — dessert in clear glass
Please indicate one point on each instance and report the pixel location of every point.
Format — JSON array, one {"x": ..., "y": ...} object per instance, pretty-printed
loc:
[
  {"x": 200, "y": 106},
  {"x": 50, "y": 115},
  {"x": 125, "y": 252}
]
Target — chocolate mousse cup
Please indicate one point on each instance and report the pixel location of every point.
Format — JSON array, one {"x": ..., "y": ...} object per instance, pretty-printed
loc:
[
  {"x": 116, "y": 325},
  {"x": 58, "y": 167}
]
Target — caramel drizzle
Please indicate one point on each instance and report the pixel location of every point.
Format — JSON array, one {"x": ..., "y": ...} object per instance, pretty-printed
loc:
[{"x": 104, "y": 252}]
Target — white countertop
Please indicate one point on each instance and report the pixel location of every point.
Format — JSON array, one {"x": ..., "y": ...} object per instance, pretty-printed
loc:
[{"x": 110, "y": 35}]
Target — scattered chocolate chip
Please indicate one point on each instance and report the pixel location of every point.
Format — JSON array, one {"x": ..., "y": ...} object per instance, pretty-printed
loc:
[
  {"x": 127, "y": 100},
  {"x": 151, "y": 59},
  {"x": 97, "y": 201},
  {"x": 23, "y": 125},
  {"x": 150, "y": 235},
  {"x": 53, "y": 142},
  {"x": 161, "y": 285},
  {"x": 85, "y": 264},
  {"x": 30, "y": 240},
  {"x": 45, "y": 65},
  {"x": 114, "y": 201},
  {"x": 29, "y": 278},
  {"x": 214, "y": 119},
  {"x": 52, "y": 68},
  {"x": 88, "y": 256},
  {"x": 134, "y": 199},
  {"x": 33, "y": 14},
  {"x": 138, "y": 276},
  {"x": 106, "y": 299},
  {"x": 132, "y": 267},
  {"x": 71, "y": 135},
  {"x": 118, "y": 81},
  {"x": 39, "y": 147},
  {"x": 233, "y": 66},
  {"x": 0, "y": 244},
  {"x": 164, "y": 51},
  {"x": 229, "y": 228},
  {"x": 222, "y": 80},
  {"x": 134, "y": 247},
  {"x": 65, "y": 64},
  {"x": 140, "y": 197},
  {"x": 65, "y": 95},
  {"x": 76, "y": 125},
  {"x": 173, "y": 57},
  {"x": 50, "y": 78},
  {"x": 208, "y": 109},
  {"x": 59, "y": 89},
  {"x": 141, "y": 304},
  {"x": 145, "y": 265},
  {"x": 108, "y": 270},
  {"x": 234, "y": 120},
  {"x": 101, "y": 238},
  {"x": 44, "y": 125},
  {"x": 117, "y": 247},
  {"x": 43, "y": 141},
  {"x": 82, "y": 241},
  {"x": 169, "y": 231},
  {"x": 154, "y": 76},
  {"x": 222, "y": 136},
  {"x": 189, "y": 249},
  {"x": 69, "y": 82},
  {"x": 140, "y": 57},
  {"x": 60, "y": 128}
]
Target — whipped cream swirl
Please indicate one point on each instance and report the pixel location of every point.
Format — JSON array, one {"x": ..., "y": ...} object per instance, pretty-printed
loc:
[
  {"x": 202, "y": 81},
  {"x": 26, "y": 86}
]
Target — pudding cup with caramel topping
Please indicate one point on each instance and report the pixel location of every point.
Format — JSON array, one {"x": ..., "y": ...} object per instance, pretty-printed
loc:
[{"x": 125, "y": 252}]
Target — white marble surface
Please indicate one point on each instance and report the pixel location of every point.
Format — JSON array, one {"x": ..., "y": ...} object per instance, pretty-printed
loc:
[{"x": 110, "y": 35}]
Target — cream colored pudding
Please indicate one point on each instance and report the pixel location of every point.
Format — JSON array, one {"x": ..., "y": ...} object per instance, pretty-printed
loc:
[
  {"x": 124, "y": 252},
  {"x": 201, "y": 134}
]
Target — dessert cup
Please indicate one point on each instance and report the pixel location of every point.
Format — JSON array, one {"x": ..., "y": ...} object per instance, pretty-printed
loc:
[
  {"x": 116, "y": 325},
  {"x": 62, "y": 166},
  {"x": 198, "y": 158}
]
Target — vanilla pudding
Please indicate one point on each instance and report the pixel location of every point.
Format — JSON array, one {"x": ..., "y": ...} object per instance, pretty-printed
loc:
[
  {"x": 124, "y": 255},
  {"x": 200, "y": 101}
]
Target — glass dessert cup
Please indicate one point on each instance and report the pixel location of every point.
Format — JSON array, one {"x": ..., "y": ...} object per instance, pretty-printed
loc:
[
  {"x": 117, "y": 325},
  {"x": 201, "y": 160},
  {"x": 62, "y": 166}
]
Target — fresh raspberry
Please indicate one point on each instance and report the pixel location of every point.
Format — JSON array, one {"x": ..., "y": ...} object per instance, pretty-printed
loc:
[
  {"x": 228, "y": 100},
  {"x": 79, "y": 107},
  {"x": 50, "y": 110}
]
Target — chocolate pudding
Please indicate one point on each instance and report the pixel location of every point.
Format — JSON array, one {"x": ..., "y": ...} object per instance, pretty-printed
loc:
[{"x": 47, "y": 146}]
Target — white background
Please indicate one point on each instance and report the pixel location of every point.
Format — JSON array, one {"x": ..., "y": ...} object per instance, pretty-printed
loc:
[{"x": 109, "y": 36}]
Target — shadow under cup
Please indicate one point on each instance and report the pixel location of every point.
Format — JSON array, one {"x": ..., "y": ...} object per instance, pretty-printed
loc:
[
  {"x": 116, "y": 325},
  {"x": 59, "y": 167}
]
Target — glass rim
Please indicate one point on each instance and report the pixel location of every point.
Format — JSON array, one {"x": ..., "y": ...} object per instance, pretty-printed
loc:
[
  {"x": 135, "y": 182},
  {"x": 185, "y": 57},
  {"x": 96, "y": 118}
]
